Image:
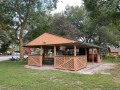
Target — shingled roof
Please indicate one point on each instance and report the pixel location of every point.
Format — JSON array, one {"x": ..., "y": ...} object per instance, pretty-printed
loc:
[
  {"x": 114, "y": 49},
  {"x": 50, "y": 39}
]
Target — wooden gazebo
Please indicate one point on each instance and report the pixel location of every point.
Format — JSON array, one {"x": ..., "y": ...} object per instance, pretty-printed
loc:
[{"x": 74, "y": 55}]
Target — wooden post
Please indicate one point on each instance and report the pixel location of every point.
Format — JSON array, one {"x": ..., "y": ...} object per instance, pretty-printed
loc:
[
  {"x": 92, "y": 56},
  {"x": 41, "y": 56},
  {"x": 97, "y": 54},
  {"x": 75, "y": 62},
  {"x": 41, "y": 50},
  {"x": 99, "y": 59},
  {"x": 86, "y": 56},
  {"x": 74, "y": 50},
  {"x": 54, "y": 56}
]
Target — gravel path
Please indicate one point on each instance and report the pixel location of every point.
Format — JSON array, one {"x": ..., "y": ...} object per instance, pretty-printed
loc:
[{"x": 97, "y": 68}]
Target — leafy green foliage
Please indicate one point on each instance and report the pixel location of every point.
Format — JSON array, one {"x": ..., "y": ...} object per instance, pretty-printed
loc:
[
  {"x": 15, "y": 16},
  {"x": 62, "y": 27},
  {"x": 39, "y": 24},
  {"x": 98, "y": 21},
  {"x": 105, "y": 20},
  {"x": 75, "y": 15},
  {"x": 4, "y": 41},
  {"x": 4, "y": 47}
]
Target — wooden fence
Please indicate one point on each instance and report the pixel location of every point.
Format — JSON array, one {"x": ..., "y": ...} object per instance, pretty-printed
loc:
[
  {"x": 62, "y": 62},
  {"x": 35, "y": 60},
  {"x": 81, "y": 62},
  {"x": 70, "y": 62}
]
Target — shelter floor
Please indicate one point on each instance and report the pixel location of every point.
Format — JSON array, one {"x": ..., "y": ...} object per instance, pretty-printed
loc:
[{"x": 91, "y": 68}]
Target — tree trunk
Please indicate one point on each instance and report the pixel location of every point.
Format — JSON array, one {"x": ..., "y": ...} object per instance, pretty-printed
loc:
[{"x": 21, "y": 50}]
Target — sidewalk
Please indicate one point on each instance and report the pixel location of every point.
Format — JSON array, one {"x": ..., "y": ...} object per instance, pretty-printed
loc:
[{"x": 4, "y": 58}]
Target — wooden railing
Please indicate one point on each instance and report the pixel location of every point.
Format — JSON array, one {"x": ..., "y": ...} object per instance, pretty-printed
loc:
[
  {"x": 35, "y": 60},
  {"x": 81, "y": 62},
  {"x": 64, "y": 62},
  {"x": 70, "y": 62}
]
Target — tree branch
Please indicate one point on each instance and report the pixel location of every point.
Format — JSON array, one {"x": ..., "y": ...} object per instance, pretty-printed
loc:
[
  {"x": 3, "y": 27},
  {"x": 23, "y": 24}
]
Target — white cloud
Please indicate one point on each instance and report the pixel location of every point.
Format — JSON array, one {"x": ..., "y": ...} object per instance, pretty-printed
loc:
[{"x": 63, "y": 3}]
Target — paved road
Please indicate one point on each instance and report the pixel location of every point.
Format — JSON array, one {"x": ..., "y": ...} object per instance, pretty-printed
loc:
[{"x": 4, "y": 58}]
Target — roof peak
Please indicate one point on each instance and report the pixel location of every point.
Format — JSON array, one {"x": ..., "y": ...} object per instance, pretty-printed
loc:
[{"x": 49, "y": 39}]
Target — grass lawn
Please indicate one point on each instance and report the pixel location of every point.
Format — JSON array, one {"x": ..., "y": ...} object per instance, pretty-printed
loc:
[
  {"x": 108, "y": 59},
  {"x": 14, "y": 76}
]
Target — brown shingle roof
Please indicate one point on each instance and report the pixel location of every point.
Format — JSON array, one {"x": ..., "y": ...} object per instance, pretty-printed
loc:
[{"x": 49, "y": 39}]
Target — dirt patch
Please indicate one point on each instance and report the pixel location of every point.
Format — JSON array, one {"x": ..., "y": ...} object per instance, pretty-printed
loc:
[
  {"x": 44, "y": 67},
  {"x": 98, "y": 68},
  {"x": 90, "y": 69}
]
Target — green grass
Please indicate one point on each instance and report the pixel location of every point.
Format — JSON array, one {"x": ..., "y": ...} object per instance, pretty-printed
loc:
[
  {"x": 14, "y": 76},
  {"x": 108, "y": 59}
]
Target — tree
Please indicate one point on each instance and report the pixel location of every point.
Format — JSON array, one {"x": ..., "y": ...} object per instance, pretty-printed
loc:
[
  {"x": 96, "y": 22},
  {"x": 105, "y": 20},
  {"x": 4, "y": 42},
  {"x": 15, "y": 15},
  {"x": 39, "y": 24},
  {"x": 75, "y": 15},
  {"x": 78, "y": 16},
  {"x": 62, "y": 27}
]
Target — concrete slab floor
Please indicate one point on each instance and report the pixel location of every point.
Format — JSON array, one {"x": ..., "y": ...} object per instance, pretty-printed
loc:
[{"x": 90, "y": 69}]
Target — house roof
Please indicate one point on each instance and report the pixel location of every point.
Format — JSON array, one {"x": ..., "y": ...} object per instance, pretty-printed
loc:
[
  {"x": 50, "y": 39},
  {"x": 114, "y": 49}
]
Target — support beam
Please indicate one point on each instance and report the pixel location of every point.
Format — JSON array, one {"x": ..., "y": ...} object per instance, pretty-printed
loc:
[
  {"x": 41, "y": 50},
  {"x": 41, "y": 56},
  {"x": 75, "y": 62},
  {"x": 92, "y": 56},
  {"x": 86, "y": 56},
  {"x": 99, "y": 58},
  {"x": 54, "y": 56},
  {"x": 74, "y": 50}
]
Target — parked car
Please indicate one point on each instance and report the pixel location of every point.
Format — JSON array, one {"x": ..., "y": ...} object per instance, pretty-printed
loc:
[
  {"x": 16, "y": 53},
  {"x": 8, "y": 53}
]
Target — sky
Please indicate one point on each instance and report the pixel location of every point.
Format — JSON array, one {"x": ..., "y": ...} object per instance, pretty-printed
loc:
[{"x": 62, "y": 4}]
